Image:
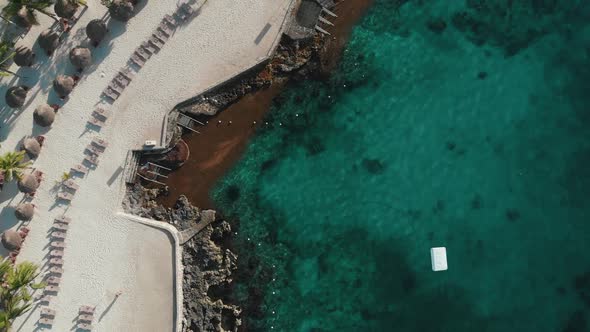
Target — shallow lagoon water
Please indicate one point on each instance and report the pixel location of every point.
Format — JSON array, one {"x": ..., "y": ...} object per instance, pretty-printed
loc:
[{"x": 476, "y": 138}]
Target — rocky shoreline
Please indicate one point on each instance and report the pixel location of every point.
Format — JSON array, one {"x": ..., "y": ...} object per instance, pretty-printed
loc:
[{"x": 207, "y": 259}]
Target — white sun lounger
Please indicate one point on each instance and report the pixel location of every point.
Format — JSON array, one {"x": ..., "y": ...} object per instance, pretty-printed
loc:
[
  {"x": 127, "y": 73},
  {"x": 84, "y": 326},
  {"x": 161, "y": 35},
  {"x": 156, "y": 42},
  {"x": 107, "y": 92},
  {"x": 137, "y": 60},
  {"x": 101, "y": 112},
  {"x": 96, "y": 122},
  {"x": 144, "y": 50},
  {"x": 56, "y": 270},
  {"x": 93, "y": 160},
  {"x": 86, "y": 318},
  {"x": 100, "y": 142},
  {"x": 151, "y": 47},
  {"x": 93, "y": 150},
  {"x": 53, "y": 280},
  {"x": 51, "y": 289},
  {"x": 46, "y": 312},
  {"x": 56, "y": 261},
  {"x": 71, "y": 184},
  {"x": 58, "y": 235},
  {"x": 46, "y": 321},
  {"x": 80, "y": 169},
  {"x": 65, "y": 196},
  {"x": 86, "y": 309},
  {"x": 165, "y": 29},
  {"x": 45, "y": 299},
  {"x": 58, "y": 244},
  {"x": 60, "y": 227},
  {"x": 56, "y": 253},
  {"x": 170, "y": 20},
  {"x": 63, "y": 220}
]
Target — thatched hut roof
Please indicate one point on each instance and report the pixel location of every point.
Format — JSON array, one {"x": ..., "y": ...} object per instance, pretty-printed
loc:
[
  {"x": 80, "y": 57},
  {"x": 32, "y": 147},
  {"x": 23, "y": 56},
  {"x": 49, "y": 40},
  {"x": 121, "y": 10},
  {"x": 28, "y": 184},
  {"x": 16, "y": 96},
  {"x": 63, "y": 85},
  {"x": 44, "y": 115},
  {"x": 66, "y": 9},
  {"x": 24, "y": 18},
  {"x": 11, "y": 240},
  {"x": 96, "y": 30},
  {"x": 24, "y": 211}
]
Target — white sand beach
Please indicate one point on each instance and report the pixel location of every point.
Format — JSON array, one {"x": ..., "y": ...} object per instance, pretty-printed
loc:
[{"x": 106, "y": 250}]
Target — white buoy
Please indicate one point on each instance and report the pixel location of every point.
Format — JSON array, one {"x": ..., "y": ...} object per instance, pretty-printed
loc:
[{"x": 438, "y": 257}]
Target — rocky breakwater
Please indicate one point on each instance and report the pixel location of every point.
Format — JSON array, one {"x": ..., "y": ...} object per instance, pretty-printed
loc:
[{"x": 207, "y": 263}]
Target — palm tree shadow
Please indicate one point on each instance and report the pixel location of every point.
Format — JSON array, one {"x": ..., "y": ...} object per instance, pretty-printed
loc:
[
  {"x": 107, "y": 309},
  {"x": 8, "y": 193}
]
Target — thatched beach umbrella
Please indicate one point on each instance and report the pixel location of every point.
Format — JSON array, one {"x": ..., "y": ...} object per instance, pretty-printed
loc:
[
  {"x": 80, "y": 57},
  {"x": 121, "y": 10},
  {"x": 96, "y": 30},
  {"x": 11, "y": 240},
  {"x": 63, "y": 85},
  {"x": 44, "y": 115},
  {"x": 65, "y": 8},
  {"x": 24, "y": 211},
  {"x": 16, "y": 96},
  {"x": 32, "y": 147},
  {"x": 23, "y": 56},
  {"x": 49, "y": 40},
  {"x": 28, "y": 184},
  {"x": 24, "y": 18}
]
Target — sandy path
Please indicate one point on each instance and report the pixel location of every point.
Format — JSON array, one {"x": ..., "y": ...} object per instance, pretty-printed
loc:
[{"x": 105, "y": 251}]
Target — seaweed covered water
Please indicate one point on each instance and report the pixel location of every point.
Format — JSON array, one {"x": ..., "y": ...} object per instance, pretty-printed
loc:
[{"x": 463, "y": 124}]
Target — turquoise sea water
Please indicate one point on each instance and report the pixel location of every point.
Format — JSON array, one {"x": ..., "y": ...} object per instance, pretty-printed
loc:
[{"x": 476, "y": 138}]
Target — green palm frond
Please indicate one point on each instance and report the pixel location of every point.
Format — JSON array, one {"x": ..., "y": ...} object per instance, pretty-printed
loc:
[{"x": 11, "y": 163}]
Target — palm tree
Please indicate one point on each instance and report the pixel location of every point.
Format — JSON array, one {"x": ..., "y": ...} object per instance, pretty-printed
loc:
[
  {"x": 15, "y": 293},
  {"x": 6, "y": 53},
  {"x": 12, "y": 165},
  {"x": 12, "y": 8}
]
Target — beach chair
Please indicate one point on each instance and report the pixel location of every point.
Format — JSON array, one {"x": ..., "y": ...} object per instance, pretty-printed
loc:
[
  {"x": 93, "y": 150},
  {"x": 170, "y": 20},
  {"x": 100, "y": 142},
  {"x": 50, "y": 289},
  {"x": 58, "y": 235},
  {"x": 144, "y": 51},
  {"x": 162, "y": 36},
  {"x": 46, "y": 312},
  {"x": 86, "y": 310},
  {"x": 65, "y": 196},
  {"x": 79, "y": 169},
  {"x": 57, "y": 245},
  {"x": 63, "y": 220},
  {"x": 56, "y": 253},
  {"x": 56, "y": 261},
  {"x": 86, "y": 318},
  {"x": 44, "y": 299},
  {"x": 150, "y": 46},
  {"x": 156, "y": 43},
  {"x": 46, "y": 321},
  {"x": 56, "y": 270},
  {"x": 136, "y": 59},
  {"x": 84, "y": 327},
  {"x": 96, "y": 122},
  {"x": 60, "y": 227},
  {"x": 93, "y": 160},
  {"x": 101, "y": 113},
  {"x": 53, "y": 280},
  {"x": 127, "y": 73},
  {"x": 71, "y": 184},
  {"x": 165, "y": 29},
  {"x": 109, "y": 93}
]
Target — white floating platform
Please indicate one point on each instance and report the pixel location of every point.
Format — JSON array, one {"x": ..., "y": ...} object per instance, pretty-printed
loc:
[{"x": 438, "y": 256}]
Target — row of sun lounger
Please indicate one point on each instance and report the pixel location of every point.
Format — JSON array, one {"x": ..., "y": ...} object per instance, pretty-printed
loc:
[
  {"x": 56, "y": 261},
  {"x": 85, "y": 317}
]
